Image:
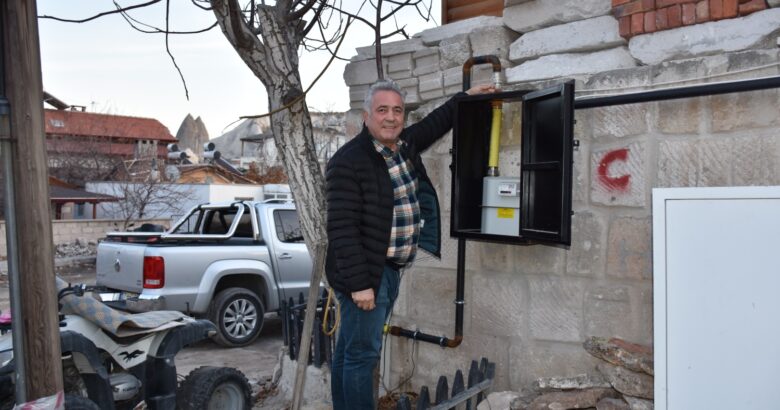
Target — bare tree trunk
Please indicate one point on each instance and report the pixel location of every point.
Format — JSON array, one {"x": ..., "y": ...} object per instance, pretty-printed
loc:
[{"x": 274, "y": 60}]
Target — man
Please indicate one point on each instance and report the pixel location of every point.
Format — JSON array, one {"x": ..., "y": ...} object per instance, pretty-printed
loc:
[{"x": 381, "y": 207}]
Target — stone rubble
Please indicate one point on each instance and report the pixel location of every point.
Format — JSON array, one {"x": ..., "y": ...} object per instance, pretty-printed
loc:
[
  {"x": 612, "y": 386},
  {"x": 618, "y": 352}
]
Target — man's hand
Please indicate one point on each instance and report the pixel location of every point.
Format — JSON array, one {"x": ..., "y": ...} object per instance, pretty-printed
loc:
[
  {"x": 481, "y": 89},
  {"x": 364, "y": 299}
]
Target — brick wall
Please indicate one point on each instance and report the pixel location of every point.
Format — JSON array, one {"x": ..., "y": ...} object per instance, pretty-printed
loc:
[
  {"x": 68, "y": 231},
  {"x": 648, "y": 16}
]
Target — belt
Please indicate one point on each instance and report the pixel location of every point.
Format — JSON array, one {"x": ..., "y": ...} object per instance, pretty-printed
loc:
[{"x": 393, "y": 265}]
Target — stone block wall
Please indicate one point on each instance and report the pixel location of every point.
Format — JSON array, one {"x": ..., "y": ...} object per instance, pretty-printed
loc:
[
  {"x": 72, "y": 230},
  {"x": 529, "y": 308}
]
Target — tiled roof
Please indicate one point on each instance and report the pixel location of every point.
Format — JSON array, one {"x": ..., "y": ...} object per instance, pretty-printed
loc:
[{"x": 88, "y": 124}]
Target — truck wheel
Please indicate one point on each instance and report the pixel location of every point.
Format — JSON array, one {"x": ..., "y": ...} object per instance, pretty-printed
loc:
[
  {"x": 214, "y": 388},
  {"x": 238, "y": 314}
]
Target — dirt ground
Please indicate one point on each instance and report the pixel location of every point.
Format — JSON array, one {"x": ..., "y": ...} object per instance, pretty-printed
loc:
[{"x": 256, "y": 361}]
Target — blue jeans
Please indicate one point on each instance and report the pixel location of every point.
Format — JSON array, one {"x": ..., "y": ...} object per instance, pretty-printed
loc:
[{"x": 359, "y": 346}]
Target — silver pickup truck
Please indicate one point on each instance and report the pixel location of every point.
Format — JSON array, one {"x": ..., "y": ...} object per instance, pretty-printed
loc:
[{"x": 228, "y": 262}]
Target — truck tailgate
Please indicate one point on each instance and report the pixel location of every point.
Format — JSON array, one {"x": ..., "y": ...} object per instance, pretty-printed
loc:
[{"x": 120, "y": 265}]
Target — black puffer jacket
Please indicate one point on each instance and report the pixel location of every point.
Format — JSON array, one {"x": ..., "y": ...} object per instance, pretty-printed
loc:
[{"x": 360, "y": 203}]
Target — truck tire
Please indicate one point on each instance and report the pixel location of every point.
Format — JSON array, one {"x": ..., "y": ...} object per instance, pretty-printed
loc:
[
  {"x": 238, "y": 314},
  {"x": 206, "y": 387}
]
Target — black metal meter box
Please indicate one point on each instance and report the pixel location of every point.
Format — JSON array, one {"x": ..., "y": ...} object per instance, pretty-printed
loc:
[{"x": 536, "y": 207}]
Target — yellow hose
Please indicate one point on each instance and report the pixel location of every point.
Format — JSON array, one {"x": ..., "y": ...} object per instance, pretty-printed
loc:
[
  {"x": 325, "y": 315},
  {"x": 495, "y": 133}
]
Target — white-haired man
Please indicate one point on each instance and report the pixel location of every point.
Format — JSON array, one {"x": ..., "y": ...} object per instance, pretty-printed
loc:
[{"x": 381, "y": 207}]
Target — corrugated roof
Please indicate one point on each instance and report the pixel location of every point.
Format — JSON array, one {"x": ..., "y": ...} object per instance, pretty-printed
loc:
[{"x": 88, "y": 124}]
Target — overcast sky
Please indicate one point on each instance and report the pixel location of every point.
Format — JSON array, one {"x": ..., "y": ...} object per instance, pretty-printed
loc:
[{"x": 108, "y": 67}]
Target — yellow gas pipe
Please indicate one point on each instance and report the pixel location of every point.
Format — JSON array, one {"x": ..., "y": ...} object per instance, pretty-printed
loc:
[{"x": 495, "y": 132}]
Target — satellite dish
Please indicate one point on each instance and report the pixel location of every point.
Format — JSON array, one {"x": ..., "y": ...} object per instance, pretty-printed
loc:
[{"x": 172, "y": 173}]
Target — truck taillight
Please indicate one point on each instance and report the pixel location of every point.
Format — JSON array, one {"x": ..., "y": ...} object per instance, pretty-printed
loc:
[{"x": 154, "y": 272}]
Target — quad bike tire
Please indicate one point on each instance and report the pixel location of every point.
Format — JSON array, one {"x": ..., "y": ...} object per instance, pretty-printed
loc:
[
  {"x": 208, "y": 388},
  {"x": 73, "y": 402},
  {"x": 238, "y": 314}
]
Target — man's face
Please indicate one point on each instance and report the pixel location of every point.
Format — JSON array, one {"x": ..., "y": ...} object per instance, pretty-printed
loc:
[{"x": 386, "y": 119}]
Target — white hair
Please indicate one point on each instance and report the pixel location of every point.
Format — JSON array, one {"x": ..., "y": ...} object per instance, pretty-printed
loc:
[{"x": 381, "y": 85}]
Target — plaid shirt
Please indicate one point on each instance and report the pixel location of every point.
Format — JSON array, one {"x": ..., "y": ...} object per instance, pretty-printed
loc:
[{"x": 406, "y": 208}]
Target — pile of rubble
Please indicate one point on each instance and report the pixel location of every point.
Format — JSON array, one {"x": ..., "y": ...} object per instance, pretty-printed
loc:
[
  {"x": 81, "y": 247},
  {"x": 623, "y": 381}
]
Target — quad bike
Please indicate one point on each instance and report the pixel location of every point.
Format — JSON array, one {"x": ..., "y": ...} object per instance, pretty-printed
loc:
[{"x": 116, "y": 360}]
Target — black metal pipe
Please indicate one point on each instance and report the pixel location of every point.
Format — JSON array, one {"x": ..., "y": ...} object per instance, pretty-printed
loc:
[
  {"x": 488, "y": 59},
  {"x": 678, "y": 92},
  {"x": 444, "y": 341}
]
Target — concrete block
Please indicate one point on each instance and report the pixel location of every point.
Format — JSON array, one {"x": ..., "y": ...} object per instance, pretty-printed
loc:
[
  {"x": 409, "y": 86},
  {"x": 618, "y": 176},
  {"x": 740, "y": 111},
  {"x": 433, "y": 36},
  {"x": 500, "y": 304},
  {"x": 629, "y": 249},
  {"x": 454, "y": 51},
  {"x": 360, "y": 72},
  {"x": 494, "y": 40},
  {"x": 426, "y": 61},
  {"x": 357, "y": 93},
  {"x": 679, "y": 116},
  {"x": 453, "y": 80},
  {"x": 619, "y": 121},
  {"x": 708, "y": 38},
  {"x": 390, "y": 49},
  {"x": 509, "y": 162},
  {"x": 533, "y": 15},
  {"x": 496, "y": 257},
  {"x": 587, "y": 253},
  {"x": 581, "y": 171},
  {"x": 537, "y": 259},
  {"x": 353, "y": 122},
  {"x": 755, "y": 161},
  {"x": 677, "y": 164},
  {"x": 430, "y": 295},
  {"x": 400, "y": 66},
  {"x": 511, "y": 125},
  {"x": 562, "y": 65},
  {"x": 431, "y": 86},
  {"x": 580, "y": 36},
  {"x": 642, "y": 301},
  {"x": 608, "y": 312},
  {"x": 618, "y": 79},
  {"x": 531, "y": 361},
  {"x": 556, "y": 309}
]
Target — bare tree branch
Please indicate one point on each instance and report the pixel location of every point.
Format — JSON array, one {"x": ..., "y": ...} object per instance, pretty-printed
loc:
[
  {"x": 303, "y": 95},
  {"x": 156, "y": 30},
  {"x": 168, "y": 50},
  {"x": 301, "y": 11},
  {"x": 105, "y": 13}
]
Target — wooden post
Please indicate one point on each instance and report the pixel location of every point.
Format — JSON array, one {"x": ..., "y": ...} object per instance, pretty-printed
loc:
[{"x": 24, "y": 89}]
